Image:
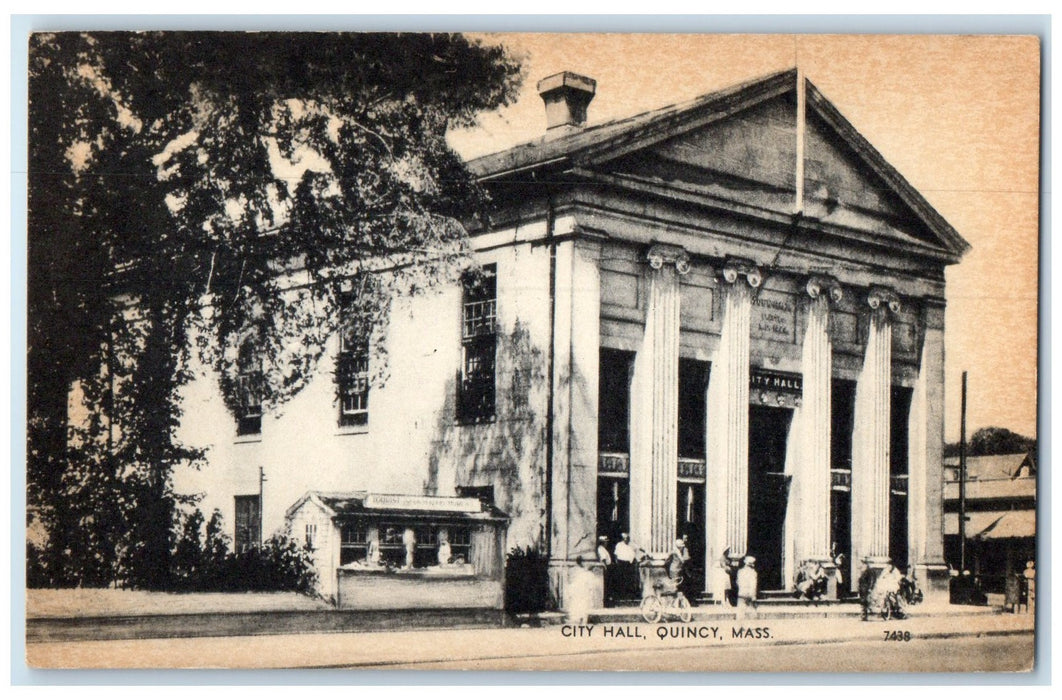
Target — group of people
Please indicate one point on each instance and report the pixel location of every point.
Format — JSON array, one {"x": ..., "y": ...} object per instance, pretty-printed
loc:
[
  {"x": 622, "y": 580},
  {"x": 742, "y": 579},
  {"x": 887, "y": 592}
]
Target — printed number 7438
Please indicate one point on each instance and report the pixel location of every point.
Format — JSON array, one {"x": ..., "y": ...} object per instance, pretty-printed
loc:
[{"x": 897, "y": 636}]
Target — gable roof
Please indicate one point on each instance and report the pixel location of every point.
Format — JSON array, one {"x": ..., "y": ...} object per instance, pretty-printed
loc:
[
  {"x": 605, "y": 142},
  {"x": 1022, "y": 489},
  {"x": 348, "y": 504},
  {"x": 994, "y": 466}
]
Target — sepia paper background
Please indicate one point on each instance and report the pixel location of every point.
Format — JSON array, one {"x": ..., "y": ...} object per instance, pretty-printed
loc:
[{"x": 959, "y": 118}]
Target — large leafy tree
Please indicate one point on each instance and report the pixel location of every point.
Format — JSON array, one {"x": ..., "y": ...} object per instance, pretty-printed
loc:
[{"x": 189, "y": 192}]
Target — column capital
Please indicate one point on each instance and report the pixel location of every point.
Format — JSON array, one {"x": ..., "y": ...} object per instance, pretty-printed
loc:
[
  {"x": 740, "y": 267},
  {"x": 824, "y": 285},
  {"x": 884, "y": 299},
  {"x": 661, "y": 254}
]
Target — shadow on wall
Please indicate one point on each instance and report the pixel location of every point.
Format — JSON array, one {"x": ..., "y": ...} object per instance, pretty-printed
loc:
[{"x": 505, "y": 452}]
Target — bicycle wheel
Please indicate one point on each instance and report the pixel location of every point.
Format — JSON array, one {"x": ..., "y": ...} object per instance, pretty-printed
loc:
[
  {"x": 651, "y": 608},
  {"x": 684, "y": 610}
]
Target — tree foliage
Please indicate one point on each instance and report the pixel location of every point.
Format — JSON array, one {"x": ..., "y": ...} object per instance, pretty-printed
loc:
[
  {"x": 190, "y": 192},
  {"x": 993, "y": 441}
]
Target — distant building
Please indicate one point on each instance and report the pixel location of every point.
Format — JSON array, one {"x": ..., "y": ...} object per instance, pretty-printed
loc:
[
  {"x": 721, "y": 320},
  {"x": 1000, "y": 513}
]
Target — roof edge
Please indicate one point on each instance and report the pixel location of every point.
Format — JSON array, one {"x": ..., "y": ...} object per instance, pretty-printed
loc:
[{"x": 952, "y": 240}]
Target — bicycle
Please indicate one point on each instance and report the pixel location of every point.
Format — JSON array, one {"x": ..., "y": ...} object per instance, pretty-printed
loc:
[{"x": 653, "y": 606}]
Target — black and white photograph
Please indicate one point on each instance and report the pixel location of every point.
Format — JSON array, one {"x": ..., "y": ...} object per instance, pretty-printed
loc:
[{"x": 532, "y": 351}]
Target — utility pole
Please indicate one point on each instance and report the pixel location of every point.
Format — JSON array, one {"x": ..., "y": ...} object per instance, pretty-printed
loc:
[
  {"x": 261, "y": 504},
  {"x": 962, "y": 481}
]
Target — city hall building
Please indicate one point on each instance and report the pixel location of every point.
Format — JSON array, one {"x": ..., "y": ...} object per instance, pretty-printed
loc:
[{"x": 721, "y": 320}]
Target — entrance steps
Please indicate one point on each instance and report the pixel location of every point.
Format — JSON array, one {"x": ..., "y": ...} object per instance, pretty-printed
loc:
[
  {"x": 780, "y": 609},
  {"x": 706, "y": 613}
]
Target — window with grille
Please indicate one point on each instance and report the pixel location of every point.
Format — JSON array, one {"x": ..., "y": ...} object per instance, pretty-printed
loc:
[
  {"x": 249, "y": 384},
  {"x": 353, "y": 377},
  {"x": 354, "y": 543},
  {"x": 311, "y": 535},
  {"x": 479, "y": 340},
  {"x": 461, "y": 544}
]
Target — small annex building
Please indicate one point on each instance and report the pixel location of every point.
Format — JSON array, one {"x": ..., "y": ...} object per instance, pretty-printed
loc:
[{"x": 385, "y": 551}]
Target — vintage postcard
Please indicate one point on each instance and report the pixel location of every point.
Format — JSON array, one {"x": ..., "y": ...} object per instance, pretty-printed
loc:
[{"x": 636, "y": 352}]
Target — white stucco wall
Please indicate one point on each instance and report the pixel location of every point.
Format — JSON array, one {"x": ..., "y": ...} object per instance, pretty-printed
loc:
[{"x": 412, "y": 443}]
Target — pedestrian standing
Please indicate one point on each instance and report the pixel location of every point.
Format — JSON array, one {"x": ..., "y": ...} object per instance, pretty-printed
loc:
[
  {"x": 1030, "y": 582},
  {"x": 747, "y": 582},
  {"x": 582, "y": 592},
  {"x": 864, "y": 586},
  {"x": 726, "y": 564},
  {"x": 626, "y": 563},
  {"x": 608, "y": 573}
]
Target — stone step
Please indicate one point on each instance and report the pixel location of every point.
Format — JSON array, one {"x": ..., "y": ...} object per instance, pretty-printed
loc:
[{"x": 781, "y": 611}]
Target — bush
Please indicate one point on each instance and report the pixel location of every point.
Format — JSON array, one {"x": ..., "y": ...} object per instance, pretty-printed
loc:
[
  {"x": 527, "y": 582},
  {"x": 36, "y": 567},
  {"x": 204, "y": 563}
]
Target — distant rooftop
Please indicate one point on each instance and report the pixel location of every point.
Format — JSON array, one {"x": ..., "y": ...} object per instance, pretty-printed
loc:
[{"x": 995, "y": 466}]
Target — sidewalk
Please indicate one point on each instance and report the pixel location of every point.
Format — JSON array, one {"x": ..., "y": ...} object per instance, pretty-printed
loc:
[{"x": 457, "y": 648}]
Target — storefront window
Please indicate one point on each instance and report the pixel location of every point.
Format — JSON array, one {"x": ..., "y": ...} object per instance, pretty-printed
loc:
[
  {"x": 460, "y": 545},
  {"x": 392, "y": 550},
  {"x": 355, "y": 543}
]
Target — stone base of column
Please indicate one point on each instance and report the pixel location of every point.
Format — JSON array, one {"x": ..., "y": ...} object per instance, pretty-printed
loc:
[
  {"x": 877, "y": 564},
  {"x": 933, "y": 578},
  {"x": 576, "y": 589},
  {"x": 829, "y": 567},
  {"x": 651, "y": 570}
]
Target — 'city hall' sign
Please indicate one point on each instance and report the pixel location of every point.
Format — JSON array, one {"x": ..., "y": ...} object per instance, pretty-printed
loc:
[
  {"x": 789, "y": 382},
  {"x": 770, "y": 388}
]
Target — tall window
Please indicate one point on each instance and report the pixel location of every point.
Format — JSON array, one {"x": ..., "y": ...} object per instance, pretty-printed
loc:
[
  {"x": 479, "y": 339},
  {"x": 614, "y": 401},
  {"x": 352, "y": 375},
  {"x": 693, "y": 388},
  {"x": 249, "y": 390},
  {"x": 248, "y": 522},
  {"x": 898, "y": 454}
]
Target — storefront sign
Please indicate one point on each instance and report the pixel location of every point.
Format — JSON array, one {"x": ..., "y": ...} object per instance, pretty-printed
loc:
[
  {"x": 774, "y": 317},
  {"x": 427, "y": 503}
]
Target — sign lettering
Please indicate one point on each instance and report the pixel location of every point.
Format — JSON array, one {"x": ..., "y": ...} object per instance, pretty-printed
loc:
[
  {"x": 429, "y": 503},
  {"x": 774, "y": 317},
  {"x": 783, "y": 382}
]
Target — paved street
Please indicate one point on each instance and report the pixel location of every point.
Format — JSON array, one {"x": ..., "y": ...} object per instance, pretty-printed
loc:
[
  {"x": 959, "y": 643},
  {"x": 953, "y": 655}
]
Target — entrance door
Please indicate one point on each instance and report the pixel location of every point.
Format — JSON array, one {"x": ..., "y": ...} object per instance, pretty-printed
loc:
[
  {"x": 768, "y": 491},
  {"x": 690, "y": 524}
]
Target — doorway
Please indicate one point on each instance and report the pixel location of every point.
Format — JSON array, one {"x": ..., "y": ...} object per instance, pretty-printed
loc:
[
  {"x": 768, "y": 491},
  {"x": 689, "y": 524}
]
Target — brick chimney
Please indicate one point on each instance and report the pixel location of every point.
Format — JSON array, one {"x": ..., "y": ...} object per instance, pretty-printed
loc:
[{"x": 566, "y": 96}]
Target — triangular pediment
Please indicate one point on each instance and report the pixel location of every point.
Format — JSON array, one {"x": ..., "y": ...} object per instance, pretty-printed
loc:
[{"x": 742, "y": 151}]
